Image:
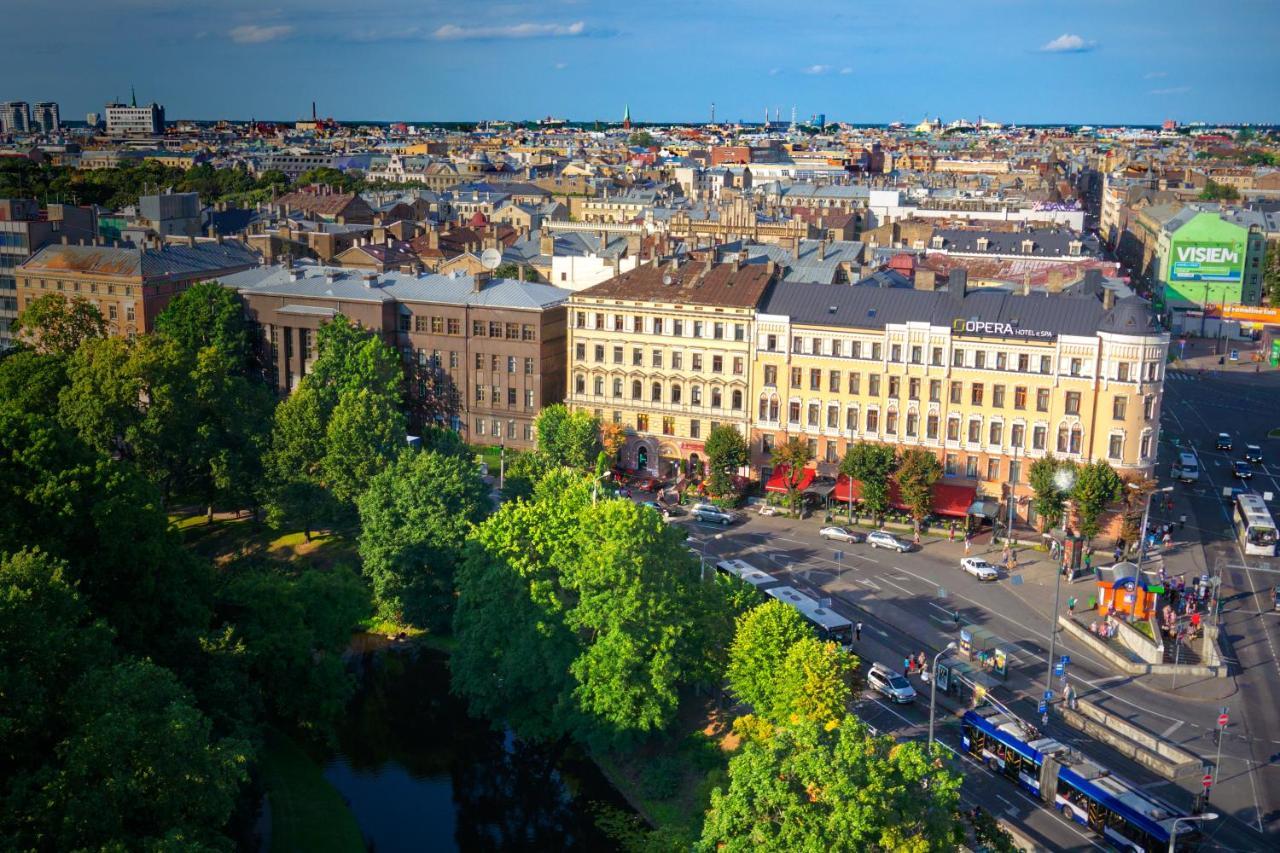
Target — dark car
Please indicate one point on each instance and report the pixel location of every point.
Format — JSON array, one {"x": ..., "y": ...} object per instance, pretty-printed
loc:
[
  {"x": 1253, "y": 453},
  {"x": 1241, "y": 470},
  {"x": 1224, "y": 441}
]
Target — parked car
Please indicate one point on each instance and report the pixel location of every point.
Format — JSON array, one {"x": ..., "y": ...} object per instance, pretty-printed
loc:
[
  {"x": 1253, "y": 453},
  {"x": 881, "y": 539},
  {"x": 980, "y": 569},
  {"x": 713, "y": 514},
  {"x": 843, "y": 534},
  {"x": 890, "y": 684},
  {"x": 768, "y": 509},
  {"x": 1241, "y": 470},
  {"x": 660, "y": 509},
  {"x": 1224, "y": 441}
]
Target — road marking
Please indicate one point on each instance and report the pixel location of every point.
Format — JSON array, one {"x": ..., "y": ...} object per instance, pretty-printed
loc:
[
  {"x": 868, "y": 559},
  {"x": 1173, "y": 728},
  {"x": 871, "y": 584},
  {"x": 897, "y": 586}
]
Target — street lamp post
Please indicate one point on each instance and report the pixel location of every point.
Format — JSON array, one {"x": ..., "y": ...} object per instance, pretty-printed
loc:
[
  {"x": 1173, "y": 830},
  {"x": 702, "y": 552},
  {"x": 933, "y": 687},
  {"x": 1064, "y": 480}
]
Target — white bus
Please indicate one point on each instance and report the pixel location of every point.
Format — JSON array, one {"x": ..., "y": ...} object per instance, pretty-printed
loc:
[
  {"x": 744, "y": 571},
  {"x": 831, "y": 626},
  {"x": 1254, "y": 526}
]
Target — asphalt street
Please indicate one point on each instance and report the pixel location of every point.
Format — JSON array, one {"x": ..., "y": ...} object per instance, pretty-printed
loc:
[{"x": 907, "y": 604}]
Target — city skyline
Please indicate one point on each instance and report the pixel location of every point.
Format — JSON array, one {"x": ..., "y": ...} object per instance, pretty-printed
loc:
[{"x": 1096, "y": 61}]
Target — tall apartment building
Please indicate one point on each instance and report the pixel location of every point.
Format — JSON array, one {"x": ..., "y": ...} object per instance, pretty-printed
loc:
[
  {"x": 130, "y": 284},
  {"x": 15, "y": 117},
  {"x": 987, "y": 381},
  {"x": 483, "y": 356},
  {"x": 45, "y": 116},
  {"x": 666, "y": 350},
  {"x": 24, "y": 228},
  {"x": 124, "y": 120}
]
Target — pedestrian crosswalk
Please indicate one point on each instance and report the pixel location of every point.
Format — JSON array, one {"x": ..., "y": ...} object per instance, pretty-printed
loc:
[{"x": 1180, "y": 376}]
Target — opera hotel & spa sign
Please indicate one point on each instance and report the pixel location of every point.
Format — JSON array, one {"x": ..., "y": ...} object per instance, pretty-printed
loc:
[{"x": 975, "y": 328}]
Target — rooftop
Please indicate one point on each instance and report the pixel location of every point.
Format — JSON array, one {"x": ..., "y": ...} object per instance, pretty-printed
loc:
[{"x": 692, "y": 282}]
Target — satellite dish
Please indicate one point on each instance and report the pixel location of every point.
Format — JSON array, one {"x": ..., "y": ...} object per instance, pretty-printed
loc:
[
  {"x": 490, "y": 258},
  {"x": 666, "y": 279}
]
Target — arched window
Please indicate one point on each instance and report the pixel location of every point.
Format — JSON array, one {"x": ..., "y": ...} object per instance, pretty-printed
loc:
[
  {"x": 1063, "y": 437},
  {"x": 773, "y": 409},
  {"x": 695, "y": 393},
  {"x": 655, "y": 394},
  {"x": 675, "y": 392},
  {"x": 737, "y": 400},
  {"x": 1077, "y": 438},
  {"x": 764, "y": 408},
  {"x": 635, "y": 389}
]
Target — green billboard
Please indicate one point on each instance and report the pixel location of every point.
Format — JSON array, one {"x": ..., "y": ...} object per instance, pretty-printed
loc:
[{"x": 1206, "y": 261}]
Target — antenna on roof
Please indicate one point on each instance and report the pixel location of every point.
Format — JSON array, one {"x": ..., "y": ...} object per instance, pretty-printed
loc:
[{"x": 490, "y": 258}]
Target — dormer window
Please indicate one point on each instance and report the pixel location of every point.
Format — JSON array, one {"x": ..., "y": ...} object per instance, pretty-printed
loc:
[
  {"x": 983, "y": 242},
  {"x": 1028, "y": 246},
  {"x": 937, "y": 241},
  {"x": 1075, "y": 247}
]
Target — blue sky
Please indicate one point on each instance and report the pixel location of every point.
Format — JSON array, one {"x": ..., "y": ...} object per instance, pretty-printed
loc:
[{"x": 857, "y": 60}]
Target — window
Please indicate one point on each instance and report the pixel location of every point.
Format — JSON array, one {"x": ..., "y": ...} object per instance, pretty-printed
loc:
[
  {"x": 695, "y": 395},
  {"x": 957, "y": 389},
  {"x": 1038, "y": 436},
  {"x": 1145, "y": 445},
  {"x": 657, "y": 325},
  {"x": 528, "y": 366},
  {"x": 618, "y": 323},
  {"x": 980, "y": 359},
  {"x": 855, "y": 349},
  {"x": 597, "y": 386},
  {"x": 480, "y": 426},
  {"x": 1024, "y": 362},
  {"x": 437, "y": 325},
  {"x": 511, "y": 364},
  {"x": 971, "y": 467},
  {"x": 931, "y": 427},
  {"x": 873, "y": 384},
  {"x": 1016, "y": 435},
  {"x": 581, "y": 320},
  {"x": 894, "y": 386},
  {"x": 833, "y": 417},
  {"x": 677, "y": 328},
  {"x": 453, "y": 359},
  {"x": 696, "y": 362},
  {"x": 975, "y": 431},
  {"x": 913, "y": 389},
  {"x": 855, "y": 383},
  {"x": 675, "y": 392},
  {"x": 1063, "y": 436},
  {"x": 935, "y": 390},
  {"x": 1015, "y": 471},
  {"x": 993, "y": 469},
  {"x": 873, "y": 420},
  {"x": 738, "y": 366},
  {"x": 833, "y": 455},
  {"x": 995, "y": 434},
  {"x": 771, "y": 375},
  {"x": 895, "y": 352},
  {"x": 599, "y": 353},
  {"x": 668, "y": 426},
  {"x": 953, "y": 429},
  {"x": 772, "y": 343},
  {"x": 1148, "y": 406},
  {"x": 655, "y": 395},
  {"x": 877, "y": 351},
  {"x": 580, "y": 351},
  {"x": 656, "y": 358},
  {"x": 580, "y": 384},
  {"x": 617, "y": 388},
  {"x": 836, "y": 348},
  {"x": 1001, "y": 361},
  {"x": 1020, "y": 397},
  {"x": 1045, "y": 364},
  {"x": 812, "y": 419},
  {"x": 697, "y": 328},
  {"x": 479, "y": 361},
  {"x": 1115, "y": 446},
  {"x": 764, "y": 408},
  {"x": 951, "y": 465},
  {"x": 815, "y": 379},
  {"x": 637, "y": 357},
  {"x": 1077, "y": 438},
  {"x": 528, "y": 432},
  {"x": 1072, "y": 403},
  {"x": 793, "y": 412},
  {"x": 677, "y": 361},
  {"x": 917, "y": 354},
  {"x": 695, "y": 429},
  {"x": 717, "y": 364},
  {"x": 935, "y": 357},
  {"x": 797, "y": 344},
  {"x": 717, "y": 398},
  {"x": 851, "y": 419},
  {"x": 797, "y": 377},
  {"x": 477, "y": 328},
  {"x": 913, "y": 421},
  {"x": 419, "y": 324},
  {"x": 1122, "y": 371},
  {"x": 617, "y": 355},
  {"x": 636, "y": 389},
  {"x": 1042, "y": 399},
  {"x": 1075, "y": 366},
  {"x": 717, "y": 331},
  {"x": 957, "y": 358},
  {"x": 739, "y": 332},
  {"x": 481, "y": 393},
  {"x": 642, "y": 422},
  {"x": 495, "y": 329},
  {"x": 735, "y": 399},
  {"x": 1118, "y": 406},
  {"x": 975, "y": 394},
  {"x": 833, "y": 381},
  {"x": 494, "y": 362},
  {"x": 817, "y": 346}
]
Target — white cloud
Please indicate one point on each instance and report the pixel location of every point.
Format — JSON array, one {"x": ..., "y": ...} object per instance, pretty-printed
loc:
[
  {"x": 452, "y": 32},
  {"x": 1155, "y": 75},
  {"x": 1172, "y": 90},
  {"x": 773, "y": 72},
  {"x": 1067, "y": 43},
  {"x": 846, "y": 70},
  {"x": 817, "y": 69},
  {"x": 560, "y": 66},
  {"x": 254, "y": 34}
]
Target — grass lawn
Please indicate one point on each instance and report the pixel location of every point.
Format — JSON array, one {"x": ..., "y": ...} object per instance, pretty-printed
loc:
[
  {"x": 489, "y": 455},
  {"x": 307, "y": 813},
  {"x": 1275, "y": 433},
  {"x": 229, "y": 538}
]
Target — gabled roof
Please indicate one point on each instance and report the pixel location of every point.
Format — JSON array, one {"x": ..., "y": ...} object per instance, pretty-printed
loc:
[{"x": 691, "y": 282}]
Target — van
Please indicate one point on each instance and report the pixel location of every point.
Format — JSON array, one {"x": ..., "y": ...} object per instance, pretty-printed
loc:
[{"x": 1186, "y": 468}]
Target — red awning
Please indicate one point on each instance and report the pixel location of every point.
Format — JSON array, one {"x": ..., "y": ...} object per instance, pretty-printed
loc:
[
  {"x": 948, "y": 498},
  {"x": 778, "y": 479}
]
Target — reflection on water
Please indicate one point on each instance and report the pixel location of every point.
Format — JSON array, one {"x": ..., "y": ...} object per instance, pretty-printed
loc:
[{"x": 420, "y": 774}]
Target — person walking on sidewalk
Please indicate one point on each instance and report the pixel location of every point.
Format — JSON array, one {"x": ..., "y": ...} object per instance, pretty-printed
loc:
[
  {"x": 951, "y": 534},
  {"x": 857, "y": 631},
  {"x": 1071, "y": 605},
  {"x": 967, "y": 546},
  {"x": 1182, "y": 521}
]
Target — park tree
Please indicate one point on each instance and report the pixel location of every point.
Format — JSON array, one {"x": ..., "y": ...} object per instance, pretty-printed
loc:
[
  {"x": 295, "y": 463},
  {"x": 414, "y": 521},
  {"x": 871, "y": 465},
  {"x": 568, "y": 438},
  {"x": 918, "y": 470},
  {"x": 613, "y": 437},
  {"x": 726, "y": 451},
  {"x": 525, "y": 469},
  {"x": 814, "y": 682},
  {"x": 208, "y": 315},
  {"x": 793, "y": 454},
  {"x": 31, "y": 381},
  {"x": 1097, "y": 487},
  {"x": 350, "y": 358},
  {"x": 834, "y": 787},
  {"x": 1047, "y": 476},
  {"x": 761, "y": 640},
  {"x": 54, "y": 323},
  {"x": 363, "y": 436}
]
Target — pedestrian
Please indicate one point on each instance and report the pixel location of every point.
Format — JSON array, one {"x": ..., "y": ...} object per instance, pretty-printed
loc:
[
  {"x": 915, "y": 539},
  {"x": 857, "y": 631},
  {"x": 1071, "y": 605},
  {"x": 1118, "y": 552},
  {"x": 1167, "y": 541},
  {"x": 924, "y": 674},
  {"x": 966, "y": 546},
  {"x": 951, "y": 535},
  {"x": 1005, "y": 553},
  {"x": 1182, "y": 521},
  {"x": 1088, "y": 560},
  {"x": 909, "y": 665},
  {"x": 920, "y": 659}
]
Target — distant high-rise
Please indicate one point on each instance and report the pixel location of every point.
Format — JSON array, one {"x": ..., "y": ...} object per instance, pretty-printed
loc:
[
  {"x": 15, "y": 117},
  {"x": 130, "y": 120},
  {"x": 45, "y": 116}
]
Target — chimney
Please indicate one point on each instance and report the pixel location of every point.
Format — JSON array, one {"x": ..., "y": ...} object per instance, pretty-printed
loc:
[
  {"x": 65, "y": 240},
  {"x": 958, "y": 283},
  {"x": 925, "y": 280},
  {"x": 433, "y": 239},
  {"x": 546, "y": 242},
  {"x": 369, "y": 279},
  {"x": 1026, "y": 284},
  {"x": 479, "y": 279},
  {"x": 519, "y": 272},
  {"x": 822, "y": 249},
  {"x": 1108, "y": 299},
  {"x": 1054, "y": 282}
]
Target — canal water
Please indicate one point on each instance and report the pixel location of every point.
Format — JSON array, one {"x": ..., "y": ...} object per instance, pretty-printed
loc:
[{"x": 420, "y": 774}]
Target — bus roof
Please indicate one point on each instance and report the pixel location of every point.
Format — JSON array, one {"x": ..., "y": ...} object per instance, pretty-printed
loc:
[
  {"x": 810, "y": 609},
  {"x": 745, "y": 571},
  {"x": 1254, "y": 509}
]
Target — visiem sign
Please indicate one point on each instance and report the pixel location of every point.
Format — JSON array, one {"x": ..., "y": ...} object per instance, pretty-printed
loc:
[
  {"x": 1198, "y": 261},
  {"x": 977, "y": 328}
]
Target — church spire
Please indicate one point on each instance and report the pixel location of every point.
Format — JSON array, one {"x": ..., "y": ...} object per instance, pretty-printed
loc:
[
  {"x": 133, "y": 95},
  {"x": 626, "y": 116}
]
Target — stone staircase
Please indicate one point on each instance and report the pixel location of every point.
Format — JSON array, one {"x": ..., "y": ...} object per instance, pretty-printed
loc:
[{"x": 1186, "y": 655}]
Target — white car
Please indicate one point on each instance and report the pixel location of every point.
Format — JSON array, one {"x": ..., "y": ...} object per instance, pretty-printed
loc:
[
  {"x": 980, "y": 569},
  {"x": 890, "y": 684},
  {"x": 843, "y": 534},
  {"x": 881, "y": 539}
]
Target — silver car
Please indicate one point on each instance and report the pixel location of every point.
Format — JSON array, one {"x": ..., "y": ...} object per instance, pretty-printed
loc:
[
  {"x": 842, "y": 534},
  {"x": 881, "y": 539},
  {"x": 890, "y": 684},
  {"x": 713, "y": 514}
]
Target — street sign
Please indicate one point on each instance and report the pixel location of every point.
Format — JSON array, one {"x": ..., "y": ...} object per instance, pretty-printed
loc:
[
  {"x": 942, "y": 592},
  {"x": 1058, "y": 669},
  {"x": 1016, "y": 580},
  {"x": 1066, "y": 659},
  {"x": 1207, "y": 781},
  {"x": 1044, "y": 707},
  {"x": 1222, "y": 718},
  {"x": 1048, "y": 694}
]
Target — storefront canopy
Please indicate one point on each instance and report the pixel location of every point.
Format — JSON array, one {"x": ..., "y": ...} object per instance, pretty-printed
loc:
[
  {"x": 949, "y": 499},
  {"x": 984, "y": 508},
  {"x": 778, "y": 479}
]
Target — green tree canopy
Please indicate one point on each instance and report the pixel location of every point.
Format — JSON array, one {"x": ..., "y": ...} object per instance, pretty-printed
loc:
[
  {"x": 871, "y": 465},
  {"x": 568, "y": 438},
  {"x": 814, "y": 682},
  {"x": 353, "y": 359},
  {"x": 1214, "y": 191},
  {"x": 834, "y": 787},
  {"x": 917, "y": 471},
  {"x": 512, "y": 271},
  {"x": 761, "y": 640},
  {"x": 1046, "y": 481},
  {"x": 208, "y": 315},
  {"x": 295, "y": 463},
  {"x": 31, "y": 381},
  {"x": 1097, "y": 487},
  {"x": 414, "y": 521},
  {"x": 364, "y": 435},
  {"x": 55, "y": 324},
  {"x": 793, "y": 454}
]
